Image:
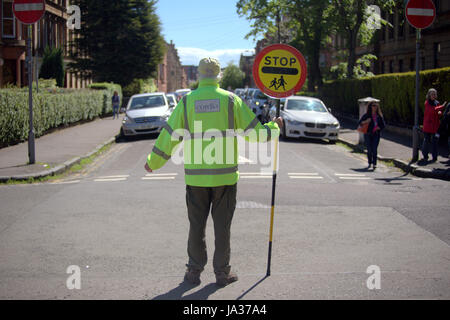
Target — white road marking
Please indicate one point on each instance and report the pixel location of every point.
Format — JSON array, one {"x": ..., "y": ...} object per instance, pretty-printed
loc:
[
  {"x": 305, "y": 177},
  {"x": 157, "y": 178},
  {"x": 244, "y": 160},
  {"x": 303, "y": 174},
  {"x": 256, "y": 177},
  {"x": 113, "y": 177},
  {"x": 355, "y": 178},
  {"x": 350, "y": 174},
  {"x": 110, "y": 180},
  {"x": 255, "y": 173},
  {"x": 160, "y": 174},
  {"x": 66, "y": 182}
]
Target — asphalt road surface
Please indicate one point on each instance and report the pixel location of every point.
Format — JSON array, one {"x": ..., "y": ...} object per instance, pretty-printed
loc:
[{"x": 124, "y": 231}]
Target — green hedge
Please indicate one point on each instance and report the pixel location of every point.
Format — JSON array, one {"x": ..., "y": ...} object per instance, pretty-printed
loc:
[
  {"x": 396, "y": 92},
  {"x": 51, "y": 109}
]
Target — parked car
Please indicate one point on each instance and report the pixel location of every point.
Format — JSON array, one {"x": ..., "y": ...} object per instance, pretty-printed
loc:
[
  {"x": 180, "y": 93},
  {"x": 172, "y": 101},
  {"x": 248, "y": 95},
  {"x": 307, "y": 117},
  {"x": 145, "y": 113},
  {"x": 258, "y": 103}
]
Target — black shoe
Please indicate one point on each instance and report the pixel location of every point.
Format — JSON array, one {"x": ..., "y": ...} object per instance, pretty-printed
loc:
[
  {"x": 434, "y": 160},
  {"x": 374, "y": 167},
  {"x": 223, "y": 279},
  {"x": 192, "y": 276}
]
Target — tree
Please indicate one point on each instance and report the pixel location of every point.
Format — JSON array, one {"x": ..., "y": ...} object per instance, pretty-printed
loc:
[
  {"x": 118, "y": 42},
  {"x": 232, "y": 77},
  {"x": 350, "y": 21},
  {"x": 302, "y": 23},
  {"x": 313, "y": 26},
  {"x": 53, "y": 65}
]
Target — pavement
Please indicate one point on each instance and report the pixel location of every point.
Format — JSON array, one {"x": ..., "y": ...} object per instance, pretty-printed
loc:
[{"x": 56, "y": 152}]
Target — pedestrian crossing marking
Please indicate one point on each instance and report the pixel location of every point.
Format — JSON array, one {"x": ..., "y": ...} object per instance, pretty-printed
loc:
[
  {"x": 110, "y": 180},
  {"x": 304, "y": 175},
  {"x": 158, "y": 178},
  {"x": 352, "y": 176}
]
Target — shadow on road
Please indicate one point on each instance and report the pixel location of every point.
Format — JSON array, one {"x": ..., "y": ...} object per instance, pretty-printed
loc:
[
  {"x": 252, "y": 287},
  {"x": 177, "y": 293}
]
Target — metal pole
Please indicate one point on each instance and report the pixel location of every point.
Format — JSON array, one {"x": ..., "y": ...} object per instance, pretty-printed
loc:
[
  {"x": 415, "y": 155},
  {"x": 29, "y": 60},
  {"x": 274, "y": 176}
]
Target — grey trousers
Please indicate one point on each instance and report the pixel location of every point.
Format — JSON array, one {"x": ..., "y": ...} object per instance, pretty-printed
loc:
[{"x": 222, "y": 202}]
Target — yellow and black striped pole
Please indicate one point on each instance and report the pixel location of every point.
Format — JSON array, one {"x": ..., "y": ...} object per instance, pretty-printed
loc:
[{"x": 272, "y": 205}]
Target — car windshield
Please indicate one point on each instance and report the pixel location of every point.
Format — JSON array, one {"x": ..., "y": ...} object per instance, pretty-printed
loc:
[
  {"x": 305, "y": 105},
  {"x": 259, "y": 95},
  {"x": 147, "y": 102}
]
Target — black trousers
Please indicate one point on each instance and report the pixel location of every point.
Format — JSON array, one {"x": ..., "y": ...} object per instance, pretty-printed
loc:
[
  {"x": 221, "y": 201},
  {"x": 372, "y": 141}
]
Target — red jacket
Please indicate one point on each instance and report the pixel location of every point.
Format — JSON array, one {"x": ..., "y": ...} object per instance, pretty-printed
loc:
[{"x": 431, "y": 117}]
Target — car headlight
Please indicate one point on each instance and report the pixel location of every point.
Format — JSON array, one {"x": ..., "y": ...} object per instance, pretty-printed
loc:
[
  {"x": 294, "y": 122},
  {"x": 334, "y": 125},
  {"x": 127, "y": 119},
  {"x": 257, "y": 103},
  {"x": 164, "y": 117}
]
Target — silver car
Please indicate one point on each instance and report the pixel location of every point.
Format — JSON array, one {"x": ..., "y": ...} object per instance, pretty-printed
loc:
[
  {"x": 307, "y": 117},
  {"x": 145, "y": 113}
]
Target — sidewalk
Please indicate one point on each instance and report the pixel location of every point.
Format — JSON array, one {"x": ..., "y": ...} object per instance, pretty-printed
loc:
[
  {"x": 58, "y": 151},
  {"x": 398, "y": 148}
]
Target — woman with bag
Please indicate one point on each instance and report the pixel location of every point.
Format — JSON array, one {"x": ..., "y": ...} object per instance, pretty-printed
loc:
[{"x": 372, "y": 123}]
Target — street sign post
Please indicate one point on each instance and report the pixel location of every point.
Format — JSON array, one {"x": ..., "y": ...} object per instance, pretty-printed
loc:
[
  {"x": 29, "y": 12},
  {"x": 420, "y": 14},
  {"x": 279, "y": 71}
]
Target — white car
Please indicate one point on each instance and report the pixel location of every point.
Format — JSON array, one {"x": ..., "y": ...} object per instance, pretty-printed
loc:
[
  {"x": 307, "y": 117},
  {"x": 257, "y": 103},
  {"x": 172, "y": 100},
  {"x": 146, "y": 113}
]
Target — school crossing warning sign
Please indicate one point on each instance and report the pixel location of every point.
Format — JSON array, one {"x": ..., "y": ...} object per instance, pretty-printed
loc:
[{"x": 279, "y": 70}]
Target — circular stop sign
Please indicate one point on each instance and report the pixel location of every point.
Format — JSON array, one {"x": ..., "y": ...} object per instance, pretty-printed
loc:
[
  {"x": 29, "y": 11},
  {"x": 420, "y": 13}
]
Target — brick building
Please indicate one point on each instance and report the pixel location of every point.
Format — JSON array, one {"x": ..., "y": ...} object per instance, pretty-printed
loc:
[
  {"x": 171, "y": 75},
  {"x": 395, "y": 47},
  {"x": 191, "y": 74},
  {"x": 51, "y": 31}
]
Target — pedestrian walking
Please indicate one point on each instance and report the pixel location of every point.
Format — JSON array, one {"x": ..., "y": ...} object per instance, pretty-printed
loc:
[
  {"x": 209, "y": 184},
  {"x": 115, "y": 104},
  {"x": 374, "y": 117},
  {"x": 431, "y": 125}
]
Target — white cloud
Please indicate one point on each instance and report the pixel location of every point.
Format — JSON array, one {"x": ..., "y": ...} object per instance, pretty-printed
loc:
[{"x": 192, "y": 56}]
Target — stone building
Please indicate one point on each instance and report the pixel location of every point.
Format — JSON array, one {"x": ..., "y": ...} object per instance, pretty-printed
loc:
[{"x": 51, "y": 31}]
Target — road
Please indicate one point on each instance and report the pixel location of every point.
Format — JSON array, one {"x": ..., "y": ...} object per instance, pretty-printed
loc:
[{"x": 126, "y": 230}]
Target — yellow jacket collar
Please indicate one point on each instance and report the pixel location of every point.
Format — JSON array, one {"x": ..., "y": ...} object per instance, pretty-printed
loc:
[{"x": 208, "y": 83}]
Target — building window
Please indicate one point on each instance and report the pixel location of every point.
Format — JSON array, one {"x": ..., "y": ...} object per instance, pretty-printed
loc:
[
  {"x": 391, "y": 66},
  {"x": 391, "y": 27},
  {"x": 400, "y": 65},
  {"x": 412, "y": 64},
  {"x": 401, "y": 26},
  {"x": 382, "y": 67},
  {"x": 422, "y": 67},
  {"x": 436, "y": 52},
  {"x": 8, "y": 20}
]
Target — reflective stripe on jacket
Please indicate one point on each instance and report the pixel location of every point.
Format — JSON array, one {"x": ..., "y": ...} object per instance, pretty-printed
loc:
[{"x": 208, "y": 120}]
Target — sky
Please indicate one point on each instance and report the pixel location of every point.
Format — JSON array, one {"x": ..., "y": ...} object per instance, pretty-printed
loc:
[{"x": 205, "y": 28}]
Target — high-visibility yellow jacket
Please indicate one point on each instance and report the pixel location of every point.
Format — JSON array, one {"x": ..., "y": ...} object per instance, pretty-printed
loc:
[{"x": 207, "y": 119}]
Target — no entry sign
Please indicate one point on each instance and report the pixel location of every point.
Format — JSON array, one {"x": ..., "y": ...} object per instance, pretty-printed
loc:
[
  {"x": 29, "y": 11},
  {"x": 279, "y": 70},
  {"x": 420, "y": 13}
]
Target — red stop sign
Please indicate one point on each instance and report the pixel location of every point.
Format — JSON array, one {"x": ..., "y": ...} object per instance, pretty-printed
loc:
[
  {"x": 29, "y": 11},
  {"x": 420, "y": 13}
]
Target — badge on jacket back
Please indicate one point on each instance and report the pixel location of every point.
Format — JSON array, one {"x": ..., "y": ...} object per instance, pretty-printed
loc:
[{"x": 205, "y": 106}]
